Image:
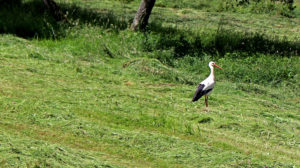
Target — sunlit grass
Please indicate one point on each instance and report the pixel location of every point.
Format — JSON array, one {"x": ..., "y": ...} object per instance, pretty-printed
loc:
[
  {"x": 103, "y": 96},
  {"x": 118, "y": 115}
]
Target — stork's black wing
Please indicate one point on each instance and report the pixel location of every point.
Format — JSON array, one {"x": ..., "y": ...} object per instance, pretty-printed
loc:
[{"x": 200, "y": 92}]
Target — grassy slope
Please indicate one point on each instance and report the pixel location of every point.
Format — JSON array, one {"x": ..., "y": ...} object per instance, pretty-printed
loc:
[{"x": 67, "y": 104}]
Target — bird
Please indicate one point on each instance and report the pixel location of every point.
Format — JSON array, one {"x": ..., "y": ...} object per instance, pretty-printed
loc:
[{"x": 206, "y": 86}]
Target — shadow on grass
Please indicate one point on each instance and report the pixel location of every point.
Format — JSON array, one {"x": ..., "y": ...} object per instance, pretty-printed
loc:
[
  {"x": 27, "y": 20},
  {"x": 104, "y": 18},
  {"x": 219, "y": 43},
  {"x": 31, "y": 19}
]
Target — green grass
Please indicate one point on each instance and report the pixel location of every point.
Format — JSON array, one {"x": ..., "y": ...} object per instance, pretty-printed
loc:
[{"x": 103, "y": 96}]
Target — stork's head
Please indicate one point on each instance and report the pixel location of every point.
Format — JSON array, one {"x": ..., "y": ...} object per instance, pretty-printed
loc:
[{"x": 211, "y": 64}]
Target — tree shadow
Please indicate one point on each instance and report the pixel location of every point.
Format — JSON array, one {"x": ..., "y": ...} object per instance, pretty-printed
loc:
[
  {"x": 104, "y": 18},
  {"x": 31, "y": 19},
  {"x": 219, "y": 43}
]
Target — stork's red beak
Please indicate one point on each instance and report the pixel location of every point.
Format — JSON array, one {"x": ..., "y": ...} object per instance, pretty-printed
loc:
[{"x": 218, "y": 66}]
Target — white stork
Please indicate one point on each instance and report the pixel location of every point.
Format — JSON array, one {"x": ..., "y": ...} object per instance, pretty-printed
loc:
[{"x": 206, "y": 86}]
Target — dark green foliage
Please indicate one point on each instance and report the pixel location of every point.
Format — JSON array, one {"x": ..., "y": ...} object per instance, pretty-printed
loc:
[
  {"x": 32, "y": 19},
  {"x": 10, "y": 3},
  {"x": 29, "y": 19}
]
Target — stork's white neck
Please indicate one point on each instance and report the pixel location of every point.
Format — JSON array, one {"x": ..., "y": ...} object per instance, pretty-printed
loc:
[{"x": 212, "y": 73}]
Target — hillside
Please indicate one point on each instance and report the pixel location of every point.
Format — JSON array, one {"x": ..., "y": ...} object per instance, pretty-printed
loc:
[{"x": 96, "y": 94}]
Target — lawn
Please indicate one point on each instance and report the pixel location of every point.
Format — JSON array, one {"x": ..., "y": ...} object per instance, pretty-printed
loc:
[{"x": 104, "y": 96}]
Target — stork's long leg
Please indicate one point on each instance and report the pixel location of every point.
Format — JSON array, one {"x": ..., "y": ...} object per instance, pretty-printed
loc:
[{"x": 206, "y": 100}]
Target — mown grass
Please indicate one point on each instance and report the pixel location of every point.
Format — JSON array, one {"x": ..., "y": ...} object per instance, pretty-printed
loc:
[{"x": 103, "y": 96}]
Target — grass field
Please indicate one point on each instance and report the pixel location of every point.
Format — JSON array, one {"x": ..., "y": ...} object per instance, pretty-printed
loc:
[{"x": 95, "y": 94}]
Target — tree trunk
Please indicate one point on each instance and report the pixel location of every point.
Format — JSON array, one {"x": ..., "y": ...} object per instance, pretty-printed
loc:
[
  {"x": 141, "y": 18},
  {"x": 54, "y": 9}
]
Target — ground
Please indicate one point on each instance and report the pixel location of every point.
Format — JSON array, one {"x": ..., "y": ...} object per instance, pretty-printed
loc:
[{"x": 97, "y": 98}]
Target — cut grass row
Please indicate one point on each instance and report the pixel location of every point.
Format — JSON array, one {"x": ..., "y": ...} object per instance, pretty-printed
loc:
[{"x": 95, "y": 105}]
